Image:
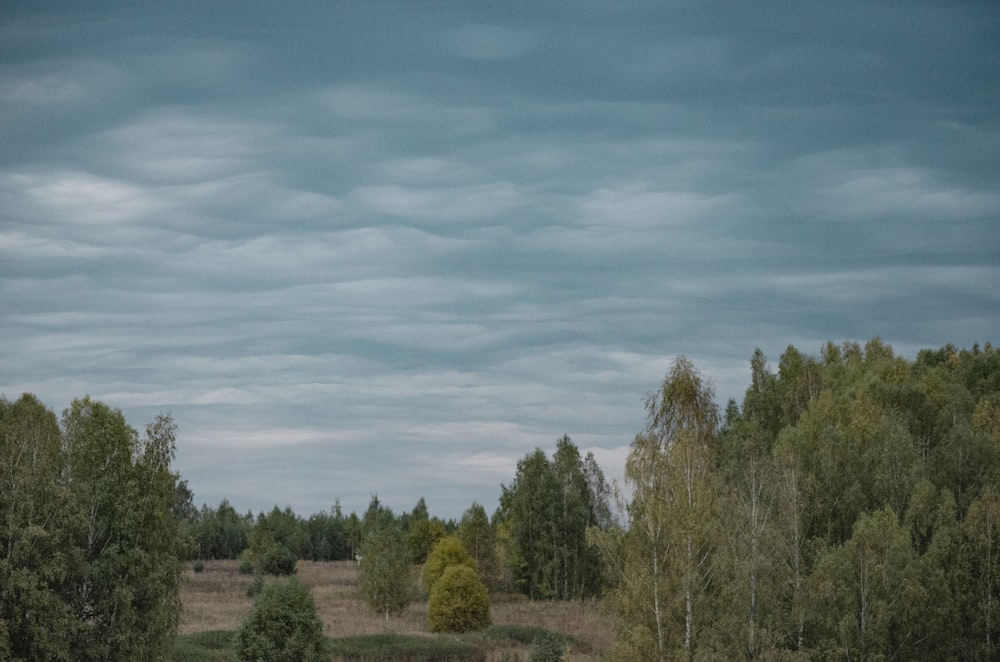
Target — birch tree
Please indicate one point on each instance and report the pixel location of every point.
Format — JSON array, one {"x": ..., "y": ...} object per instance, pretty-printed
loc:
[{"x": 671, "y": 521}]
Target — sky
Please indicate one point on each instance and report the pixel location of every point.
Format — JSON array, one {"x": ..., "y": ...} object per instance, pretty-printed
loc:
[{"x": 390, "y": 248}]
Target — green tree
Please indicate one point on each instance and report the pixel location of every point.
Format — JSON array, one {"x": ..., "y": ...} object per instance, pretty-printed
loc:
[
  {"x": 447, "y": 552},
  {"x": 670, "y": 541},
  {"x": 982, "y": 533},
  {"x": 387, "y": 578},
  {"x": 326, "y": 536},
  {"x": 580, "y": 563},
  {"x": 277, "y": 541},
  {"x": 36, "y": 543},
  {"x": 125, "y": 541},
  {"x": 748, "y": 567},
  {"x": 868, "y": 592},
  {"x": 529, "y": 507},
  {"x": 423, "y": 532},
  {"x": 458, "y": 602},
  {"x": 479, "y": 537},
  {"x": 220, "y": 533},
  {"x": 546, "y": 511},
  {"x": 282, "y": 627}
]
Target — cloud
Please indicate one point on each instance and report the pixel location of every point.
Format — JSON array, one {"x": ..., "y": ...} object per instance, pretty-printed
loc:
[
  {"x": 369, "y": 251},
  {"x": 491, "y": 42}
]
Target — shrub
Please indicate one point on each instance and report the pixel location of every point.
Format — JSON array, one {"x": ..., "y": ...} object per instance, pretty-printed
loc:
[
  {"x": 447, "y": 552},
  {"x": 548, "y": 648},
  {"x": 246, "y": 563},
  {"x": 278, "y": 560},
  {"x": 198, "y": 566},
  {"x": 459, "y": 602},
  {"x": 282, "y": 627},
  {"x": 271, "y": 559}
]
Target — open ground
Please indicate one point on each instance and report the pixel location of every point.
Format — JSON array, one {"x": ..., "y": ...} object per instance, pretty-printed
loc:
[{"x": 216, "y": 599}]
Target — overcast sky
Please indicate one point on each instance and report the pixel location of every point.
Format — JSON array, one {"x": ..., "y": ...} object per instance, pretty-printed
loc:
[{"x": 392, "y": 247}]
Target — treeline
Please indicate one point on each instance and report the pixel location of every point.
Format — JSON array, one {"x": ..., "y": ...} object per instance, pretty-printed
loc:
[
  {"x": 535, "y": 542},
  {"x": 848, "y": 508}
]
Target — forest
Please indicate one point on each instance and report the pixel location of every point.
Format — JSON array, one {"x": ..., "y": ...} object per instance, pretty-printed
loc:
[{"x": 848, "y": 508}]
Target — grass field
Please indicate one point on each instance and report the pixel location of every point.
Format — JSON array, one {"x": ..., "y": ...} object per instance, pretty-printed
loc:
[{"x": 216, "y": 599}]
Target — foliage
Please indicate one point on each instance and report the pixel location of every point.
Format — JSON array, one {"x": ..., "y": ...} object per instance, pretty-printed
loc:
[
  {"x": 387, "y": 577},
  {"x": 548, "y": 648},
  {"x": 545, "y": 514},
  {"x": 277, "y": 540},
  {"x": 220, "y": 533},
  {"x": 846, "y": 509},
  {"x": 325, "y": 537},
  {"x": 479, "y": 537},
  {"x": 458, "y": 602},
  {"x": 664, "y": 561},
  {"x": 447, "y": 552},
  {"x": 90, "y": 540},
  {"x": 283, "y": 626}
]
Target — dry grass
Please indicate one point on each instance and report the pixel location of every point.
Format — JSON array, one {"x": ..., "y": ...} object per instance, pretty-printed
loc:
[{"x": 216, "y": 599}]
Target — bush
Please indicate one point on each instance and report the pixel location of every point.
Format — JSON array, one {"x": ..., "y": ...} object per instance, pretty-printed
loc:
[
  {"x": 282, "y": 627},
  {"x": 198, "y": 566},
  {"x": 548, "y": 648},
  {"x": 246, "y": 563},
  {"x": 272, "y": 559},
  {"x": 447, "y": 552},
  {"x": 459, "y": 602}
]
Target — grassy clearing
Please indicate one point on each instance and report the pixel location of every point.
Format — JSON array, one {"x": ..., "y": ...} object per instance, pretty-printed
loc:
[{"x": 216, "y": 602}]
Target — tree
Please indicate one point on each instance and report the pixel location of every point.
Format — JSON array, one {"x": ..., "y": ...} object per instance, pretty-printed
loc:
[
  {"x": 547, "y": 510},
  {"x": 479, "y": 537},
  {"x": 423, "y": 532},
  {"x": 36, "y": 523},
  {"x": 126, "y": 539},
  {"x": 220, "y": 533},
  {"x": 89, "y": 564},
  {"x": 282, "y": 627},
  {"x": 982, "y": 532},
  {"x": 749, "y": 567},
  {"x": 868, "y": 592},
  {"x": 458, "y": 602},
  {"x": 670, "y": 539},
  {"x": 387, "y": 581},
  {"x": 326, "y": 536},
  {"x": 447, "y": 552},
  {"x": 529, "y": 506},
  {"x": 580, "y": 563},
  {"x": 277, "y": 541}
]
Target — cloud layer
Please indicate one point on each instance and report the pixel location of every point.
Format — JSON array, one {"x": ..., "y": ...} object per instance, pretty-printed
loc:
[{"x": 392, "y": 248}]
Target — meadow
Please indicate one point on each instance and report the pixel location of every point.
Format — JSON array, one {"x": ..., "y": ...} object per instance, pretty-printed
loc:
[{"x": 215, "y": 600}]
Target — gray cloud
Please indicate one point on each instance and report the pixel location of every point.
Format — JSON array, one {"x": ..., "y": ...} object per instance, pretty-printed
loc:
[{"x": 392, "y": 248}]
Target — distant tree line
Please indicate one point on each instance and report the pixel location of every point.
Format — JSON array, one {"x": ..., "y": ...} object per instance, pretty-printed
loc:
[{"x": 847, "y": 508}]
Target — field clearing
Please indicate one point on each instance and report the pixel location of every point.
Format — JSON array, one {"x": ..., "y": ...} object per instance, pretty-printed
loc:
[{"x": 216, "y": 599}]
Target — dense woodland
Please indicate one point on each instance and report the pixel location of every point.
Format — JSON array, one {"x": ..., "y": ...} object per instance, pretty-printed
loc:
[{"x": 847, "y": 508}]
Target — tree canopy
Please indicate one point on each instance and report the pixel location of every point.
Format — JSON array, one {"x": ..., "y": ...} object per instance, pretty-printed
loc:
[{"x": 89, "y": 544}]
